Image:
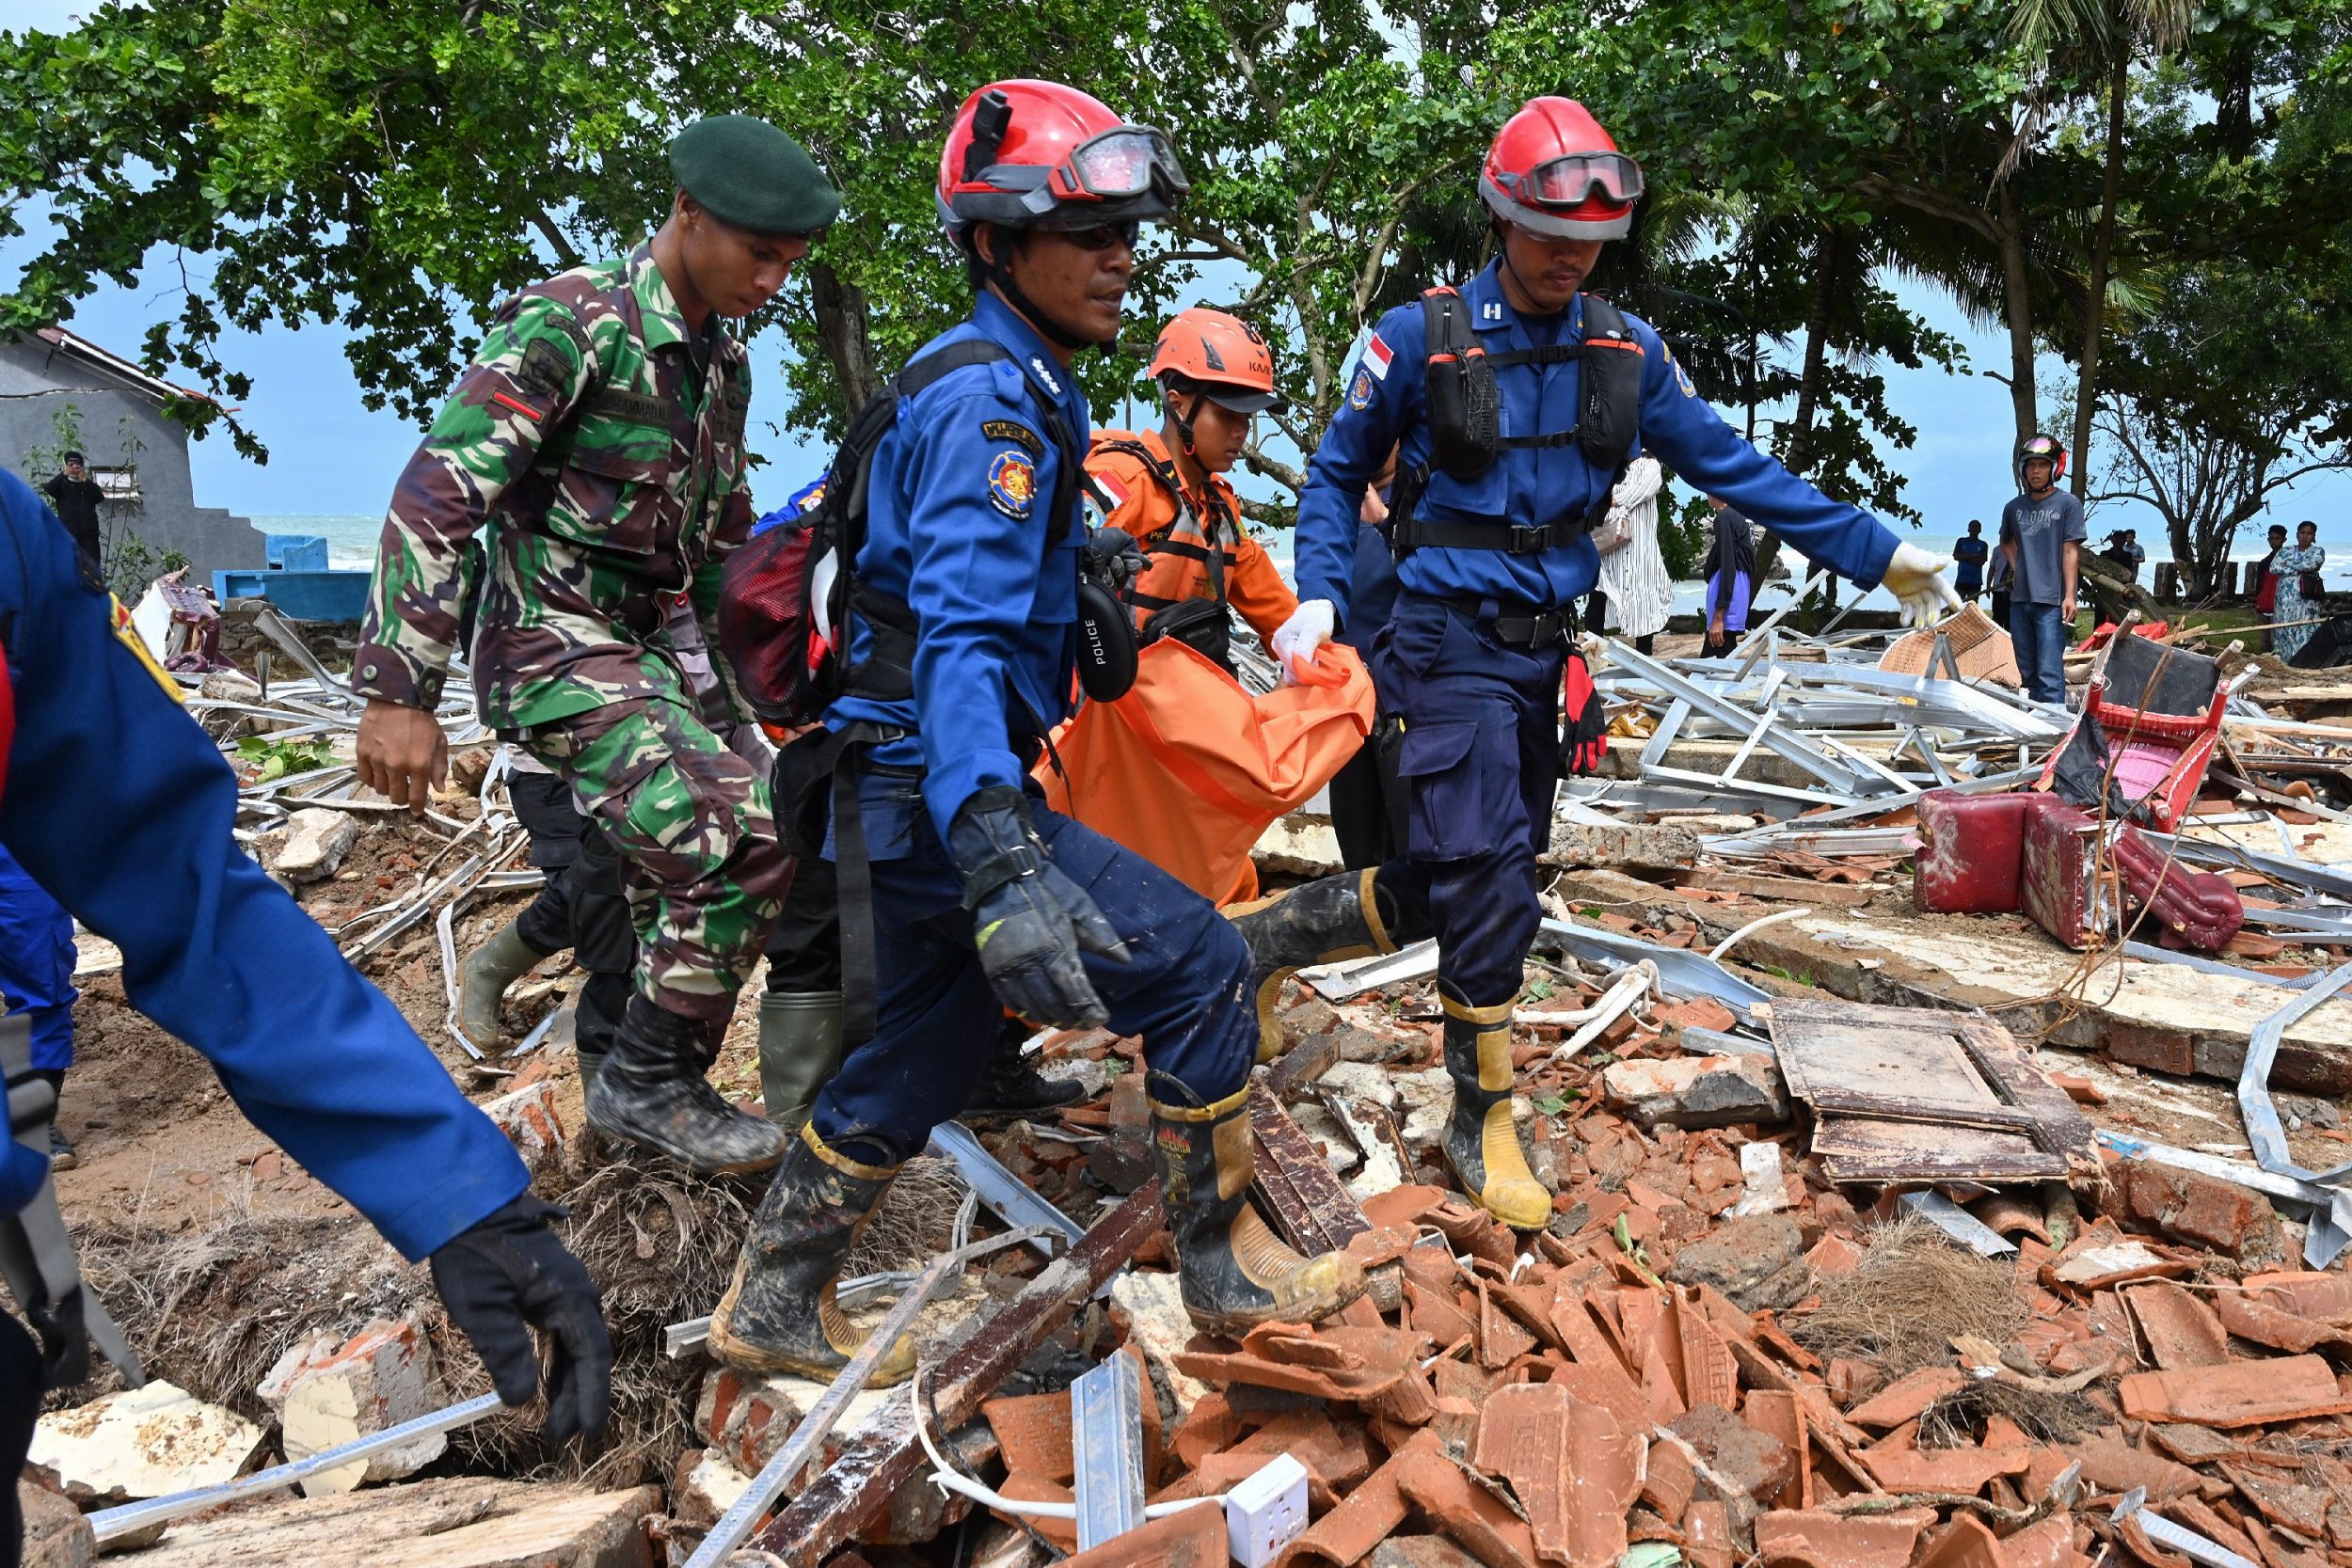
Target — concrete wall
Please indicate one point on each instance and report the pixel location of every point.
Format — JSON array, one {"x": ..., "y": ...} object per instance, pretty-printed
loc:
[{"x": 35, "y": 381}]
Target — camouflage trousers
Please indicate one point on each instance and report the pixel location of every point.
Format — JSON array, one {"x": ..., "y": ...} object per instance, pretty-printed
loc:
[{"x": 703, "y": 869}]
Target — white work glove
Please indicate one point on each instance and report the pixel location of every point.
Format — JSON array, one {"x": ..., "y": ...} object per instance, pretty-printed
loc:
[
  {"x": 1296, "y": 640},
  {"x": 1916, "y": 578}
]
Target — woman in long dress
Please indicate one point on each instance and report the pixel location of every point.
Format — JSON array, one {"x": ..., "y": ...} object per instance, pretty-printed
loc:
[
  {"x": 2293, "y": 604},
  {"x": 1636, "y": 592}
]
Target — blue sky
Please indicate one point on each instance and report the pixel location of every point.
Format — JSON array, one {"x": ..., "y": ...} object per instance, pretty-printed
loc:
[{"x": 329, "y": 454}]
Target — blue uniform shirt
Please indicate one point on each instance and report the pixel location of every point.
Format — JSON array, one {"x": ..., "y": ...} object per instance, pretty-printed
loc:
[
  {"x": 957, "y": 526},
  {"x": 119, "y": 805},
  {"x": 1536, "y": 486}
]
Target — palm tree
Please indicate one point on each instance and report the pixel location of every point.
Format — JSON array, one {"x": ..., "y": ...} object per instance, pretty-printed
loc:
[{"x": 2118, "y": 31}]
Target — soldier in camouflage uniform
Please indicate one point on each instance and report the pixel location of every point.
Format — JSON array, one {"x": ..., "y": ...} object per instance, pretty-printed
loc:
[{"x": 595, "y": 446}]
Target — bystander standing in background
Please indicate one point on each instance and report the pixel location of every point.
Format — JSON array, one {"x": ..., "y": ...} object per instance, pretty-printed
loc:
[
  {"x": 1968, "y": 558},
  {"x": 75, "y": 498},
  {"x": 1730, "y": 571},
  {"x": 1635, "y": 591}
]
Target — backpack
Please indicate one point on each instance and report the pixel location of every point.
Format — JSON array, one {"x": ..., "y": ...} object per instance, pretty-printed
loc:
[
  {"x": 786, "y": 596},
  {"x": 1465, "y": 420}
]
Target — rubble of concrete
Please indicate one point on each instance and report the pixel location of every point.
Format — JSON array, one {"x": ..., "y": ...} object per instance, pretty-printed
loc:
[{"x": 2081, "y": 1310}]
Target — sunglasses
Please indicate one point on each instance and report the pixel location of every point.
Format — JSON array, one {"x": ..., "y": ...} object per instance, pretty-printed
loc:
[{"x": 1102, "y": 236}]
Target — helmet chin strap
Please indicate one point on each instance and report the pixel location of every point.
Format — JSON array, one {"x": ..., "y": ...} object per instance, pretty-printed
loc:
[
  {"x": 1184, "y": 422},
  {"x": 999, "y": 274}
]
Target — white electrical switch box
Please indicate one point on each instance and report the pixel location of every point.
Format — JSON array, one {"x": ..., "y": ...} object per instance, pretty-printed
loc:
[{"x": 1266, "y": 1512}]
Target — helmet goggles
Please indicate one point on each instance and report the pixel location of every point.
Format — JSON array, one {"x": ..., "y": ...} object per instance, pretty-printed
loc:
[
  {"x": 1120, "y": 164},
  {"x": 1574, "y": 179}
]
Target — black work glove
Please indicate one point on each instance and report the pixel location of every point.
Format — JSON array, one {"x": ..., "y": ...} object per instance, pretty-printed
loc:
[
  {"x": 1113, "y": 558},
  {"x": 509, "y": 1272},
  {"x": 1029, "y": 922}
]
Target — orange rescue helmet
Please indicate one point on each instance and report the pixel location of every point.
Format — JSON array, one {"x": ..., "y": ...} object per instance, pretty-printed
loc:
[
  {"x": 1223, "y": 357},
  {"x": 1554, "y": 170}
]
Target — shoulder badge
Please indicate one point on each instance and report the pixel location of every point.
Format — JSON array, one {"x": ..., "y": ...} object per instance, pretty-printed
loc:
[
  {"x": 1682, "y": 377},
  {"x": 544, "y": 371},
  {"x": 1013, "y": 484},
  {"x": 1360, "y": 392},
  {"x": 1018, "y": 434}
]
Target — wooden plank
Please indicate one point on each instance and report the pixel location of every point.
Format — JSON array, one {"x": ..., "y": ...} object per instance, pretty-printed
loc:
[
  {"x": 1793, "y": 890},
  {"x": 1311, "y": 1208},
  {"x": 884, "y": 1453},
  {"x": 1900, "y": 1095}
]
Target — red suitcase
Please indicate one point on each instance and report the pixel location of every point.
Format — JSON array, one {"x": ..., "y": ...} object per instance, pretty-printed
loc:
[
  {"x": 1971, "y": 851},
  {"x": 2061, "y": 885},
  {"x": 2199, "y": 908}
]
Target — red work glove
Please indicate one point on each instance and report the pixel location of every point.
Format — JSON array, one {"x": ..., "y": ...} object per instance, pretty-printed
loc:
[{"x": 1584, "y": 733}]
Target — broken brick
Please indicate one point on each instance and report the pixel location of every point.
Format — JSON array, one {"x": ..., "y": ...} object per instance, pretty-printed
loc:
[
  {"x": 1670, "y": 1482},
  {"x": 1965, "y": 1543},
  {"x": 1573, "y": 1470},
  {"x": 1900, "y": 1464},
  {"x": 1757, "y": 1261},
  {"x": 2242, "y": 1314},
  {"x": 1756, "y": 1461},
  {"x": 2179, "y": 1329},
  {"x": 2244, "y": 1393},
  {"x": 1907, "y": 1399},
  {"x": 1033, "y": 1432},
  {"x": 1475, "y": 1519},
  {"x": 1698, "y": 1091},
  {"x": 2204, "y": 1209},
  {"x": 1188, "y": 1538},
  {"x": 1781, "y": 1414},
  {"x": 1790, "y": 1537},
  {"x": 1369, "y": 1513},
  {"x": 1332, "y": 1362}
]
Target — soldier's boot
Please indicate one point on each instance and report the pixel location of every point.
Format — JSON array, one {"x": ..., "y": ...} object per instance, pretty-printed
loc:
[
  {"x": 779, "y": 1314},
  {"x": 1481, "y": 1143},
  {"x": 1322, "y": 922},
  {"x": 1012, "y": 1089},
  {"x": 651, "y": 1090},
  {"x": 1234, "y": 1271},
  {"x": 495, "y": 965},
  {"x": 800, "y": 1051}
]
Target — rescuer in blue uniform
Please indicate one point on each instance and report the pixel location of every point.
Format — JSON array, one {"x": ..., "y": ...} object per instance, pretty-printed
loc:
[
  {"x": 1517, "y": 401},
  {"x": 119, "y": 805},
  {"x": 980, "y": 893}
]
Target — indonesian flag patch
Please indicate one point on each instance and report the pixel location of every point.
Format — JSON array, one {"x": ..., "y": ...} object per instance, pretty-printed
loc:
[{"x": 1377, "y": 357}]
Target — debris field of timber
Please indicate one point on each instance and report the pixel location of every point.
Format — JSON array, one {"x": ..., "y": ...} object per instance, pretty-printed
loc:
[{"x": 2010, "y": 1235}]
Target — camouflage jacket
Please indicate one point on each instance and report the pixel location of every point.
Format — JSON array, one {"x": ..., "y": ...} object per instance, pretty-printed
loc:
[{"x": 601, "y": 481}]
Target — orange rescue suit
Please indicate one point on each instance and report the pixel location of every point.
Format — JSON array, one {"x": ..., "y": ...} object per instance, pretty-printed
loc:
[{"x": 1175, "y": 532}]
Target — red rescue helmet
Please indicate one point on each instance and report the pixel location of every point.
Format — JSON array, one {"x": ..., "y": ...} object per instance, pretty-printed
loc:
[
  {"x": 1223, "y": 357},
  {"x": 2042, "y": 449},
  {"x": 1554, "y": 170},
  {"x": 1041, "y": 155}
]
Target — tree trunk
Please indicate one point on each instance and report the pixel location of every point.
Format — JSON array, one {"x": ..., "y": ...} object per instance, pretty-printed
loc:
[
  {"x": 841, "y": 328},
  {"x": 2102, "y": 253},
  {"x": 2018, "y": 308},
  {"x": 1798, "y": 455}
]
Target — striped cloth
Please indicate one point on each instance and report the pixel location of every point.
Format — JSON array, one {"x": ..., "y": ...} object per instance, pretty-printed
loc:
[{"x": 1632, "y": 571}]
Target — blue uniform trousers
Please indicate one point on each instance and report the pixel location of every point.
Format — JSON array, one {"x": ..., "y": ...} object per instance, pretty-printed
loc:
[
  {"x": 1182, "y": 991},
  {"x": 37, "y": 959},
  {"x": 1481, "y": 760}
]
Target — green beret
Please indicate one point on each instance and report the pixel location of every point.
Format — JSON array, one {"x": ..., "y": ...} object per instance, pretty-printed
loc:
[{"x": 746, "y": 172}]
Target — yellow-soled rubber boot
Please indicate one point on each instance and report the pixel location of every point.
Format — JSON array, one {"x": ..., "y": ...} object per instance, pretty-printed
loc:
[
  {"x": 1323, "y": 922},
  {"x": 1481, "y": 1143},
  {"x": 779, "y": 1314},
  {"x": 1234, "y": 1271}
]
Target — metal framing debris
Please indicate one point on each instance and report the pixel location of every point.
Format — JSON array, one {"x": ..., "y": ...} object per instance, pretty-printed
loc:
[
  {"x": 807, "y": 1438},
  {"x": 1958, "y": 1223},
  {"x": 1107, "y": 1449},
  {"x": 114, "y": 1524},
  {"x": 884, "y": 1453},
  {"x": 2330, "y": 1227},
  {"x": 1006, "y": 1196}
]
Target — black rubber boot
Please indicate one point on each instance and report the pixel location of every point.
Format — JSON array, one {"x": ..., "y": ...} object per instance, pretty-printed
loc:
[
  {"x": 778, "y": 1314},
  {"x": 1013, "y": 1090},
  {"x": 481, "y": 982},
  {"x": 651, "y": 1091},
  {"x": 800, "y": 1051},
  {"x": 1323, "y": 922},
  {"x": 1236, "y": 1273},
  {"x": 1481, "y": 1141}
]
